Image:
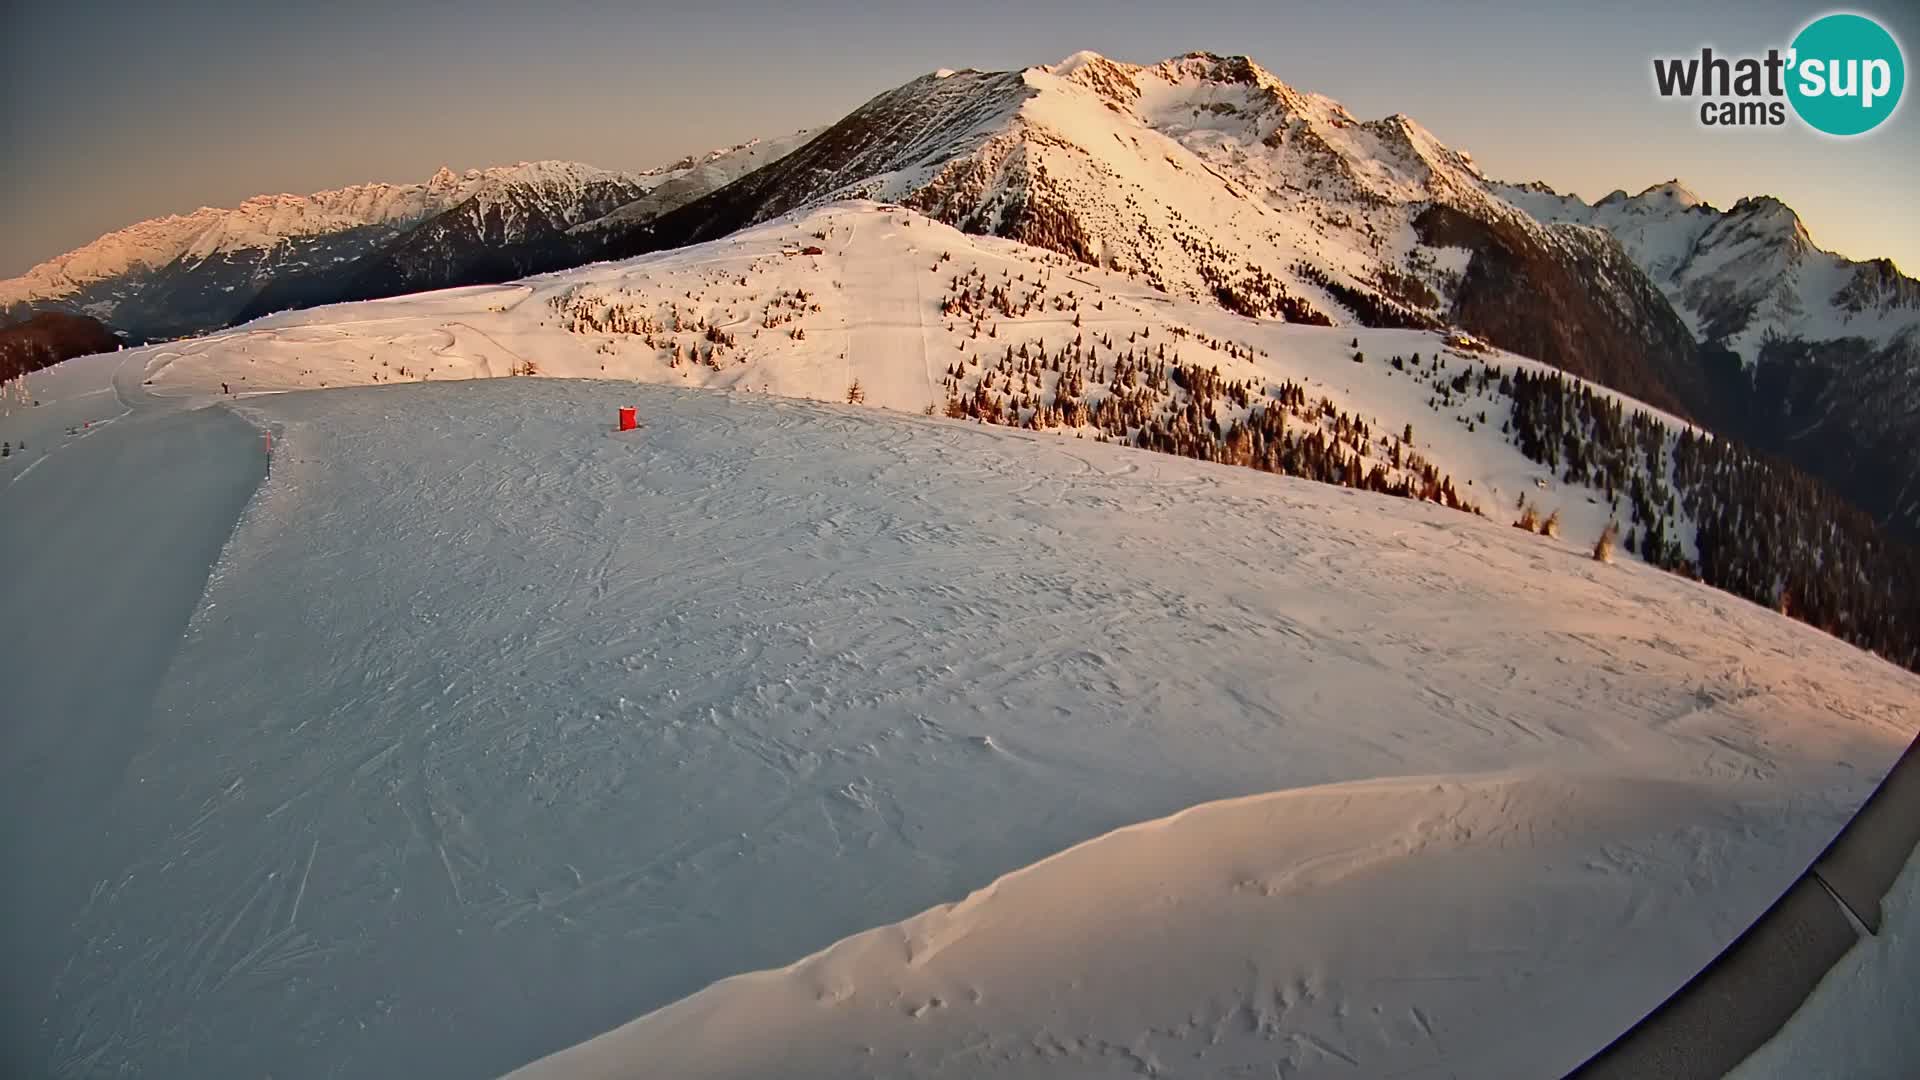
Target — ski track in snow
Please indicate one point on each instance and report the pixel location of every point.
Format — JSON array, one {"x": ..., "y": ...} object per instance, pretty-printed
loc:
[
  {"x": 887, "y": 350},
  {"x": 496, "y": 729},
  {"x": 107, "y": 536}
]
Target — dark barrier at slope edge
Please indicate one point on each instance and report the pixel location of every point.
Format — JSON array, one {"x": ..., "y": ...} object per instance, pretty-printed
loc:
[{"x": 1737, "y": 1002}]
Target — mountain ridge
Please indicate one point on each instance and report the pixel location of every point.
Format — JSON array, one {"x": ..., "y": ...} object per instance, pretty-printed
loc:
[
  {"x": 181, "y": 274},
  {"x": 1208, "y": 176},
  {"x": 1809, "y": 354},
  {"x": 154, "y": 242}
]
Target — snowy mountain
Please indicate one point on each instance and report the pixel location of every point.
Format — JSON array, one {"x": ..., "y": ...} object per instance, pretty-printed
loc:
[
  {"x": 1746, "y": 275},
  {"x": 1811, "y": 355},
  {"x": 508, "y": 226},
  {"x": 256, "y": 224},
  {"x": 516, "y": 233},
  {"x": 921, "y": 318},
  {"x": 693, "y": 177},
  {"x": 186, "y": 274},
  {"x": 1206, "y": 176}
]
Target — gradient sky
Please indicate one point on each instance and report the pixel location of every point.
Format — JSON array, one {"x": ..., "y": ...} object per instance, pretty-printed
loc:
[{"x": 114, "y": 112}]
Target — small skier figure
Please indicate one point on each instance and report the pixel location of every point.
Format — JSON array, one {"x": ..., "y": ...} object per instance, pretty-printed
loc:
[{"x": 226, "y": 390}]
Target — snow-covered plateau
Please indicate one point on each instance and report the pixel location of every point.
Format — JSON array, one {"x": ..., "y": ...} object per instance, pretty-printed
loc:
[{"x": 789, "y": 737}]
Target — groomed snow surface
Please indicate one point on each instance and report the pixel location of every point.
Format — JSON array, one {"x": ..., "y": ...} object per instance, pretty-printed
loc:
[{"x": 829, "y": 740}]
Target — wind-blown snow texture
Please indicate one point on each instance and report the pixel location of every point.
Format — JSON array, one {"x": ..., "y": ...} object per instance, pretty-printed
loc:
[
  {"x": 496, "y": 729},
  {"x": 821, "y": 738}
]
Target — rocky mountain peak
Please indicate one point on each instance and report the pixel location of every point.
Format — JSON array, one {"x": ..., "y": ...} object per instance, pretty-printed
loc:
[
  {"x": 1671, "y": 195},
  {"x": 1764, "y": 213},
  {"x": 1110, "y": 79}
]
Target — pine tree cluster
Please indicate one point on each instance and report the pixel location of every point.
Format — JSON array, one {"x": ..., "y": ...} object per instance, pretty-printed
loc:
[
  {"x": 661, "y": 327},
  {"x": 1760, "y": 529},
  {"x": 1144, "y": 395},
  {"x": 1376, "y": 309}
]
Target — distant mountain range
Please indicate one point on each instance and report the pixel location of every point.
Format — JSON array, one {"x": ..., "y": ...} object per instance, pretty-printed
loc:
[
  {"x": 1200, "y": 175},
  {"x": 186, "y": 274},
  {"x": 1809, "y": 355}
]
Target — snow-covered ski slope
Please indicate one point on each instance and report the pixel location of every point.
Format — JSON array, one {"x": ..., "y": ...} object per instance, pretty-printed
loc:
[
  {"x": 872, "y": 308},
  {"x": 496, "y": 729},
  {"x": 111, "y": 519}
]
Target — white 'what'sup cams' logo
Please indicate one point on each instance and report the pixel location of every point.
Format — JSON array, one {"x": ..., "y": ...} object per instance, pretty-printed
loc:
[{"x": 1842, "y": 75}]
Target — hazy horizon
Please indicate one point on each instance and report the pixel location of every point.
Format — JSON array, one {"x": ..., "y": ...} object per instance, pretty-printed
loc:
[{"x": 188, "y": 107}]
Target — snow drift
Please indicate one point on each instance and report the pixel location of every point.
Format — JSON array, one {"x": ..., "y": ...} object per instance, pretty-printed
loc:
[{"x": 1369, "y": 927}]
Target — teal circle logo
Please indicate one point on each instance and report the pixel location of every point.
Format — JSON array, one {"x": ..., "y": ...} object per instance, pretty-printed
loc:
[{"x": 1846, "y": 74}]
